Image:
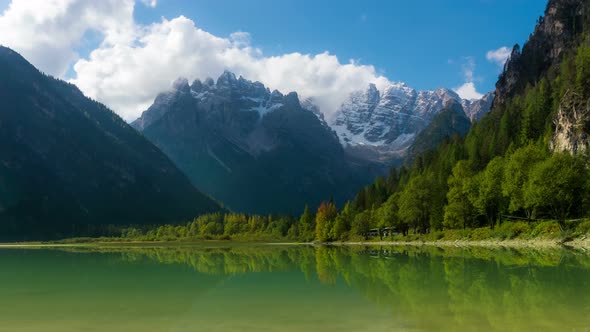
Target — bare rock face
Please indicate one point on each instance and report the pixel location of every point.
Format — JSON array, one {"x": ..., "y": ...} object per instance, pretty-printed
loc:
[
  {"x": 476, "y": 109},
  {"x": 572, "y": 124}
]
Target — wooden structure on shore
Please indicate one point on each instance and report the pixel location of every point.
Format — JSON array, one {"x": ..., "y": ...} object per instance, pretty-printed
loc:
[{"x": 381, "y": 232}]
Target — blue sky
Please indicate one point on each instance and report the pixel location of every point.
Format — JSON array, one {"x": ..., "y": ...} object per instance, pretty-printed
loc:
[
  {"x": 124, "y": 52},
  {"x": 423, "y": 43}
]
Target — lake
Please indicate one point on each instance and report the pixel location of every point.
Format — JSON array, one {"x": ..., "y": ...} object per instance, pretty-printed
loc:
[{"x": 243, "y": 287}]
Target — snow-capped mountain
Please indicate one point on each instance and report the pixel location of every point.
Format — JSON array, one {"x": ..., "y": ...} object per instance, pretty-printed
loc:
[
  {"x": 390, "y": 120},
  {"x": 250, "y": 148},
  {"x": 249, "y": 97},
  {"x": 475, "y": 109}
]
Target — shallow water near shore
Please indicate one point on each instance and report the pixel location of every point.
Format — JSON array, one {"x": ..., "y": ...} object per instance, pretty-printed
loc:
[{"x": 294, "y": 288}]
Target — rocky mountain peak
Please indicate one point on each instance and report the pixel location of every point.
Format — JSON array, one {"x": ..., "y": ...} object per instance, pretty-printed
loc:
[
  {"x": 389, "y": 121},
  {"x": 243, "y": 94},
  {"x": 292, "y": 100},
  {"x": 181, "y": 85},
  {"x": 243, "y": 143},
  {"x": 209, "y": 82},
  {"x": 197, "y": 85},
  {"x": 227, "y": 79},
  {"x": 475, "y": 109}
]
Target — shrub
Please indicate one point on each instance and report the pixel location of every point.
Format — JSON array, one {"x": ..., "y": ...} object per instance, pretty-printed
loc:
[
  {"x": 413, "y": 237},
  {"x": 511, "y": 230},
  {"x": 456, "y": 234},
  {"x": 583, "y": 227},
  {"x": 482, "y": 233},
  {"x": 437, "y": 235},
  {"x": 546, "y": 229}
]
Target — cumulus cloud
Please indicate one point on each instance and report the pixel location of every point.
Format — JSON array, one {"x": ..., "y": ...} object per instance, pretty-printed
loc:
[
  {"x": 46, "y": 32},
  {"x": 134, "y": 62},
  {"x": 128, "y": 76},
  {"x": 468, "y": 90},
  {"x": 499, "y": 56}
]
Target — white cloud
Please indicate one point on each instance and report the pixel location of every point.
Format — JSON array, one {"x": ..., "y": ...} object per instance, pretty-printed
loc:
[
  {"x": 135, "y": 62},
  {"x": 468, "y": 90},
  {"x": 468, "y": 68},
  {"x": 499, "y": 56},
  {"x": 241, "y": 38},
  {"x": 46, "y": 32},
  {"x": 128, "y": 76}
]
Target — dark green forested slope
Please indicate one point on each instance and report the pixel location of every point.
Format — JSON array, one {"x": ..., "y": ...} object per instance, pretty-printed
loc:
[
  {"x": 67, "y": 162},
  {"x": 449, "y": 122}
]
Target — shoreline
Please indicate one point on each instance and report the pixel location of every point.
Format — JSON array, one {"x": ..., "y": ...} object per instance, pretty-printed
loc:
[
  {"x": 579, "y": 243},
  {"x": 535, "y": 243}
]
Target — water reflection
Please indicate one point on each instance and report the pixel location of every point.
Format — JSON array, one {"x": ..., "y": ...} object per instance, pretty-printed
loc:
[{"x": 423, "y": 288}]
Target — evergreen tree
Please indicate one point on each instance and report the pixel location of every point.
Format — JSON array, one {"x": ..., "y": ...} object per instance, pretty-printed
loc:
[
  {"x": 361, "y": 223},
  {"x": 307, "y": 225},
  {"x": 343, "y": 223}
]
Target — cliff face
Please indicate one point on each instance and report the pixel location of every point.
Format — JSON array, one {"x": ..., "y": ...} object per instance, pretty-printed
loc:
[
  {"x": 572, "y": 120},
  {"x": 572, "y": 125},
  {"x": 552, "y": 53},
  {"x": 555, "y": 33}
]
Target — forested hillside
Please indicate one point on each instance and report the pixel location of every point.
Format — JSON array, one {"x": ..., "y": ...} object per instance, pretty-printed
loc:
[
  {"x": 69, "y": 165},
  {"x": 526, "y": 159}
]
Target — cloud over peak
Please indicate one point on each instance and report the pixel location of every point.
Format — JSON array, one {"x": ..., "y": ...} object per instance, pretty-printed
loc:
[
  {"x": 467, "y": 90},
  {"x": 134, "y": 62},
  {"x": 127, "y": 76},
  {"x": 499, "y": 56}
]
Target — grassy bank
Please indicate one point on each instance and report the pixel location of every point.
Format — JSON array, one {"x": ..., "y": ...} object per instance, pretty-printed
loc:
[{"x": 543, "y": 233}]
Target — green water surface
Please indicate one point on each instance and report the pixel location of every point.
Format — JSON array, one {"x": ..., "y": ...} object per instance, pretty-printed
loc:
[{"x": 293, "y": 288}]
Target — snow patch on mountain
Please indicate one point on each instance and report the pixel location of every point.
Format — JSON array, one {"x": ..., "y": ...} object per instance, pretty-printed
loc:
[
  {"x": 245, "y": 95},
  {"x": 393, "y": 117}
]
